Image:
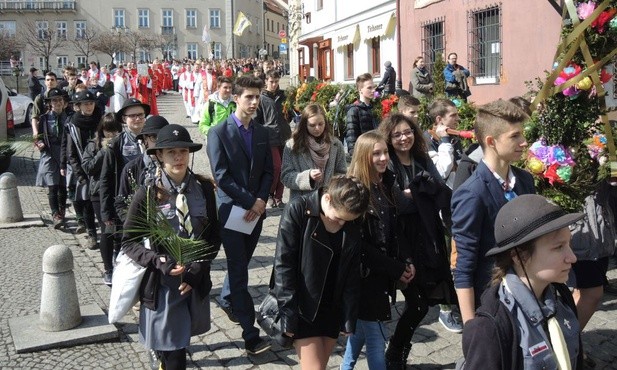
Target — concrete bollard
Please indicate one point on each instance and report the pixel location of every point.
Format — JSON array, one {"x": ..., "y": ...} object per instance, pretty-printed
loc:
[
  {"x": 9, "y": 199},
  {"x": 59, "y": 303}
]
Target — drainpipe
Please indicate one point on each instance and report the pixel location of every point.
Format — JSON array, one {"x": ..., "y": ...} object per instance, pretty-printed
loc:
[{"x": 399, "y": 81}]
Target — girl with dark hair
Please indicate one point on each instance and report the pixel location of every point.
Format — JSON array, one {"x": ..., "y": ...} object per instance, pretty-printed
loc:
[
  {"x": 420, "y": 195},
  {"x": 92, "y": 162},
  {"x": 174, "y": 297},
  {"x": 313, "y": 155},
  {"x": 380, "y": 241},
  {"x": 317, "y": 268}
]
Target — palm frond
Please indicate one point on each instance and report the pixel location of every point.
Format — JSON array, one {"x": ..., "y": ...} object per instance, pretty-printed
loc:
[{"x": 155, "y": 227}]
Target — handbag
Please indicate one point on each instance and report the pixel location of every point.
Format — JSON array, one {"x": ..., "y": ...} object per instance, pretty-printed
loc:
[
  {"x": 268, "y": 317},
  {"x": 125, "y": 284}
]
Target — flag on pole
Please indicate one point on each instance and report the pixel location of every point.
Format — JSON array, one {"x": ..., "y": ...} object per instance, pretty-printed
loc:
[
  {"x": 242, "y": 23},
  {"x": 205, "y": 35}
]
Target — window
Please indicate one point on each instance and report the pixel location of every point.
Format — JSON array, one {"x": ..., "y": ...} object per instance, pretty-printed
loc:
[
  {"x": 42, "y": 28},
  {"x": 244, "y": 52},
  {"x": 119, "y": 20},
  {"x": 374, "y": 55},
  {"x": 433, "y": 42},
  {"x": 218, "y": 50},
  {"x": 144, "y": 56},
  {"x": 80, "y": 60},
  {"x": 349, "y": 74},
  {"x": 120, "y": 57},
  {"x": 278, "y": 27},
  {"x": 318, "y": 4},
  {"x": 191, "y": 18},
  {"x": 215, "y": 18},
  {"x": 80, "y": 29},
  {"x": 143, "y": 18},
  {"x": 191, "y": 50},
  {"x": 42, "y": 63},
  {"x": 63, "y": 61},
  {"x": 485, "y": 45},
  {"x": 168, "y": 17},
  {"x": 61, "y": 29},
  {"x": 8, "y": 28}
]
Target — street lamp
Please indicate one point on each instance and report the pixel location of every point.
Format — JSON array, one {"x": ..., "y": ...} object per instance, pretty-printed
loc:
[
  {"x": 17, "y": 73},
  {"x": 119, "y": 30}
]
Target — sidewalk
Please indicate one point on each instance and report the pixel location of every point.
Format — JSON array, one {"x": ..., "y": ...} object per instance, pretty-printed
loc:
[{"x": 222, "y": 347}]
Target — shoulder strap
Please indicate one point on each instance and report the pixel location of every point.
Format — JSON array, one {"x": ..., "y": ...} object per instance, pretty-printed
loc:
[
  {"x": 76, "y": 139},
  {"x": 211, "y": 112}
]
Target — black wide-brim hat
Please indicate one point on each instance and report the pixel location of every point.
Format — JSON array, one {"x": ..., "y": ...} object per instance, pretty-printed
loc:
[
  {"x": 131, "y": 102},
  {"x": 152, "y": 126},
  {"x": 174, "y": 136},
  {"x": 526, "y": 218},
  {"x": 54, "y": 93},
  {"x": 83, "y": 96}
]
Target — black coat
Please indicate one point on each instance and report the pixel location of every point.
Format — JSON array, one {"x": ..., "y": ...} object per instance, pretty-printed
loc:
[
  {"x": 380, "y": 267},
  {"x": 110, "y": 178},
  {"x": 302, "y": 262},
  {"x": 389, "y": 81},
  {"x": 197, "y": 274},
  {"x": 359, "y": 119},
  {"x": 92, "y": 163}
]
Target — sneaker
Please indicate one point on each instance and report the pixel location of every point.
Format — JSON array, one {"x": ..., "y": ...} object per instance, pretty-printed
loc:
[
  {"x": 58, "y": 221},
  {"x": 81, "y": 228},
  {"x": 107, "y": 275},
  {"x": 91, "y": 242},
  {"x": 230, "y": 314},
  {"x": 450, "y": 322},
  {"x": 257, "y": 346}
]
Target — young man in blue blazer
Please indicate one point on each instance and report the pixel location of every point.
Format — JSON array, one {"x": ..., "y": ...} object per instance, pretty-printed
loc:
[
  {"x": 499, "y": 130},
  {"x": 241, "y": 161}
]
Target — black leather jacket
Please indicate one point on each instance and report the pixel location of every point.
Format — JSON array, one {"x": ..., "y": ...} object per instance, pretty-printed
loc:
[{"x": 302, "y": 262}]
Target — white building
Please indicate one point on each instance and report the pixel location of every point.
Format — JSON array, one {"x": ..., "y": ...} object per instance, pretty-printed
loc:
[{"x": 342, "y": 39}]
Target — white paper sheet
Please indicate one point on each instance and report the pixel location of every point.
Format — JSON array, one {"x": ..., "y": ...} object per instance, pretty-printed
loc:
[{"x": 236, "y": 221}]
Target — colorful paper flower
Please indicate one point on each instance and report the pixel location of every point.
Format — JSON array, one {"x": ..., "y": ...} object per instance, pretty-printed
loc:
[
  {"x": 584, "y": 84},
  {"x": 604, "y": 75},
  {"x": 599, "y": 24},
  {"x": 535, "y": 165},
  {"x": 564, "y": 173},
  {"x": 584, "y": 10},
  {"x": 551, "y": 174}
]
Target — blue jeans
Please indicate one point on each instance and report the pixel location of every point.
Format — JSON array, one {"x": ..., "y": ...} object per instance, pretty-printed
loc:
[
  {"x": 373, "y": 334},
  {"x": 239, "y": 249}
]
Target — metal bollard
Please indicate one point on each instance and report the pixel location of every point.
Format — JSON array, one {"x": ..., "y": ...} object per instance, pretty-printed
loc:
[
  {"x": 59, "y": 303},
  {"x": 9, "y": 199}
]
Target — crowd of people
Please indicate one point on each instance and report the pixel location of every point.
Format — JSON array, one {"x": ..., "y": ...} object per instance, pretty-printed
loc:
[{"x": 391, "y": 208}]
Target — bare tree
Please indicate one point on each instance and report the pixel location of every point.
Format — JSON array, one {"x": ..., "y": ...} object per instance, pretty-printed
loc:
[
  {"x": 10, "y": 46},
  {"x": 42, "y": 38},
  {"x": 109, "y": 43},
  {"x": 167, "y": 44},
  {"x": 84, "y": 42},
  {"x": 139, "y": 40}
]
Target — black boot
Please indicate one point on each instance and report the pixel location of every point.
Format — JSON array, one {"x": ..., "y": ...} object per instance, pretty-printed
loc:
[{"x": 396, "y": 357}]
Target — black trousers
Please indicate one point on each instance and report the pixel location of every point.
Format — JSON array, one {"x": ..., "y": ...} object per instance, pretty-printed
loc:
[
  {"x": 416, "y": 307},
  {"x": 173, "y": 360},
  {"x": 56, "y": 195}
]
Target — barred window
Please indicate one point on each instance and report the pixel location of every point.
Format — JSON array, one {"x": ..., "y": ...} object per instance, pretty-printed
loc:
[
  {"x": 433, "y": 42},
  {"x": 485, "y": 45}
]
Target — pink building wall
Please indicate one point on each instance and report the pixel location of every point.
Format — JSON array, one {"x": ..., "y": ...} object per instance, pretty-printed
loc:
[{"x": 530, "y": 34}]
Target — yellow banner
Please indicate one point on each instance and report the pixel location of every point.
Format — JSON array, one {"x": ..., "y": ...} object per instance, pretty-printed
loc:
[{"x": 242, "y": 23}]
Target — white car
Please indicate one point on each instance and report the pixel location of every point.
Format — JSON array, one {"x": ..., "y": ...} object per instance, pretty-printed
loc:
[{"x": 22, "y": 108}]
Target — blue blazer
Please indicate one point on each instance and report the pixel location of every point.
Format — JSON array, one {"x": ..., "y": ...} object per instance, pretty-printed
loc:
[
  {"x": 474, "y": 207},
  {"x": 240, "y": 179}
]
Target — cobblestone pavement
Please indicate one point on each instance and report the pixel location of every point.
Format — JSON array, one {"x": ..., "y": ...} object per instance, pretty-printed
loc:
[{"x": 222, "y": 347}]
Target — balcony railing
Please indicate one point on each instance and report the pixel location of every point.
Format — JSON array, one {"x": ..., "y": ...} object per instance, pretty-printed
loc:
[
  {"x": 59, "y": 5},
  {"x": 167, "y": 30}
]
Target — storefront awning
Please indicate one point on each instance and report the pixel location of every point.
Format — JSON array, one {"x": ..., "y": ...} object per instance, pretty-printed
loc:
[
  {"x": 377, "y": 26},
  {"x": 345, "y": 36}
]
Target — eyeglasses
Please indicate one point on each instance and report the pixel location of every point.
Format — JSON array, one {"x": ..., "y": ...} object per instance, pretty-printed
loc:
[
  {"x": 136, "y": 116},
  {"x": 399, "y": 135}
]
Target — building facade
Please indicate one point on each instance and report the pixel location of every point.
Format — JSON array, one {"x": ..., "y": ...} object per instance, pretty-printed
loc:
[
  {"x": 503, "y": 44},
  {"x": 183, "y": 29},
  {"x": 340, "y": 41}
]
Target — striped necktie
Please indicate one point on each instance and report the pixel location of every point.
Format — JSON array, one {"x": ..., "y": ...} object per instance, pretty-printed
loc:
[{"x": 184, "y": 218}]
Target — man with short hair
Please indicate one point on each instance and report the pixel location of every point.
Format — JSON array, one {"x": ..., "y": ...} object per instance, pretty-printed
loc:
[
  {"x": 218, "y": 107},
  {"x": 34, "y": 87},
  {"x": 499, "y": 130},
  {"x": 455, "y": 76},
  {"x": 38, "y": 107},
  {"x": 242, "y": 167},
  {"x": 444, "y": 149},
  {"x": 270, "y": 115},
  {"x": 359, "y": 118}
]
